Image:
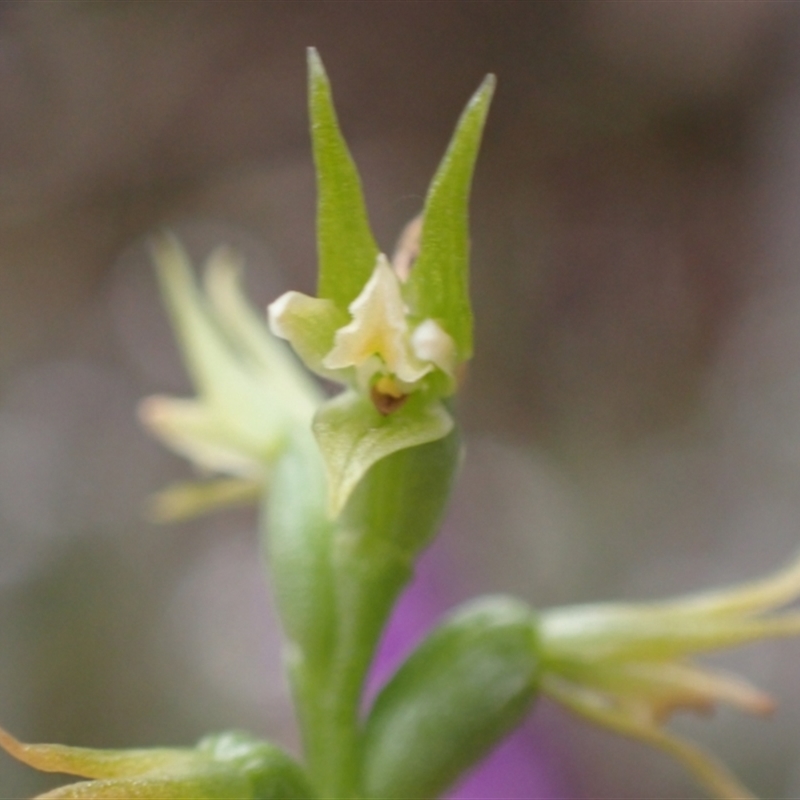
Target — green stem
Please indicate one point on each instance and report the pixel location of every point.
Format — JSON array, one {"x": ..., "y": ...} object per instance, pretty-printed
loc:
[
  {"x": 336, "y": 582},
  {"x": 328, "y": 696}
]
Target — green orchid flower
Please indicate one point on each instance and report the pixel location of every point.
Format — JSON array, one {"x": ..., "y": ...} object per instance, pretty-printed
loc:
[
  {"x": 628, "y": 667},
  {"x": 230, "y": 766},
  {"x": 358, "y": 483},
  {"x": 252, "y": 395},
  {"x": 396, "y": 338}
]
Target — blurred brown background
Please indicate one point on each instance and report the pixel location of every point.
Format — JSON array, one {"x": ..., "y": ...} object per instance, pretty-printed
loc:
[{"x": 633, "y": 412}]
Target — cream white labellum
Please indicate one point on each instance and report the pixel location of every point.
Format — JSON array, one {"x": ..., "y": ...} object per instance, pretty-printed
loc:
[{"x": 377, "y": 339}]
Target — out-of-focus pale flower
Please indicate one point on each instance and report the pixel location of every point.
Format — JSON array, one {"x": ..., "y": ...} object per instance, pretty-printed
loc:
[
  {"x": 627, "y": 667},
  {"x": 251, "y": 394}
]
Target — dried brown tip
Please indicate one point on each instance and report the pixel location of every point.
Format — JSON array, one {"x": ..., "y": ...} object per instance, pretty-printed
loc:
[{"x": 407, "y": 250}]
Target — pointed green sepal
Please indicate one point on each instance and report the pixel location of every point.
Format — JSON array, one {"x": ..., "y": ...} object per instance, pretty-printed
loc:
[
  {"x": 438, "y": 286},
  {"x": 467, "y": 685},
  {"x": 352, "y": 436},
  {"x": 347, "y": 249}
]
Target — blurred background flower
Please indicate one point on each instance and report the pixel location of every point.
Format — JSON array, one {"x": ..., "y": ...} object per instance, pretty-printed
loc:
[{"x": 633, "y": 410}]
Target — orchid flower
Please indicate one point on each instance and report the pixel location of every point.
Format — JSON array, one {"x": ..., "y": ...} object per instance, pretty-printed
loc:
[
  {"x": 251, "y": 392},
  {"x": 628, "y": 667},
  {"x": 225, "y": 767},
  {"x": 396, "y": 338}
]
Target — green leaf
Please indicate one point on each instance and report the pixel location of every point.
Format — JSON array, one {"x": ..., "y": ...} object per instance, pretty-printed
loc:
[
  {"x": 438, "y": 286},
  {"x": 467, "y": 685},
  {"x": 347, "y": 249},
  {"x": 352, "y": 436}
]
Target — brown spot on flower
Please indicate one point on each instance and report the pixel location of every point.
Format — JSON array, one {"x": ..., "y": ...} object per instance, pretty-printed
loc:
[{"x": 387, "y": 396}]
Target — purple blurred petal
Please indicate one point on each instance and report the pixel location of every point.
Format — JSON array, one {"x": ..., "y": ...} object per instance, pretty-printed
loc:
[{"x": 519, "y": 769}]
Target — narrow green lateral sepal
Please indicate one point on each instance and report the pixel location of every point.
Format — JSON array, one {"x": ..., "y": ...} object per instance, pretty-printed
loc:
[
  {"x": 438, "y": 286},
  {"x": 467, "y": 686},
  {"x": 347, "y": 249},
  {"x": 352, "y": 436}
]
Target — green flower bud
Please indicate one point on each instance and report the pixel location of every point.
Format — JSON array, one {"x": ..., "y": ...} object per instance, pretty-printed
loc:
[{"x": 468, "y": 685}]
